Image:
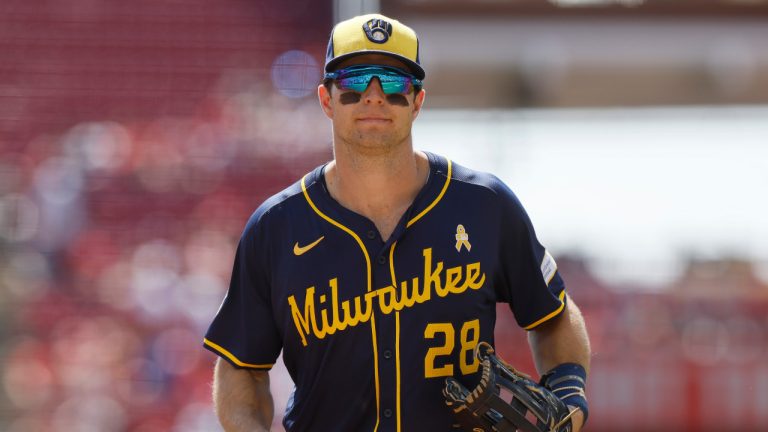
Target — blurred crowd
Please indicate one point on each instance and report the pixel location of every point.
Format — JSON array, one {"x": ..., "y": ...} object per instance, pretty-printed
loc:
[
  {"x": 135, "y": 141},
  {"x": 116, "y": 244}
]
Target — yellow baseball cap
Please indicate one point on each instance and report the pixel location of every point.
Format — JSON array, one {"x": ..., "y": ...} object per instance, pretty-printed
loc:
[{"x": 373, "y": 34}]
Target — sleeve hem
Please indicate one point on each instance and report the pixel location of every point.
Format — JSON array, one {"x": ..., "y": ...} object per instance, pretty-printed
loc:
[
  {"x": 551, "y": 315},
  {"x": 222, "y": 352}
]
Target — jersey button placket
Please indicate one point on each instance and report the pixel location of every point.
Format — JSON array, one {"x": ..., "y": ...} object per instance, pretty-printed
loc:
[{"x": 385, "y": 328}]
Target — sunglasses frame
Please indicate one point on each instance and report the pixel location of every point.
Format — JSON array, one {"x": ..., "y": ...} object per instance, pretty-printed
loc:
[{"x": 403, "y": 78}]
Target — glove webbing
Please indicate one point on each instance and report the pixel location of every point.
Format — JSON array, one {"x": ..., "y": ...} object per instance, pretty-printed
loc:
[{"x": 485, "y": 404}]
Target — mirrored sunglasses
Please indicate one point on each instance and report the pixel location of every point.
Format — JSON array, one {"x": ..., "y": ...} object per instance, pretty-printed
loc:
[{"x": 358, "y": 77}]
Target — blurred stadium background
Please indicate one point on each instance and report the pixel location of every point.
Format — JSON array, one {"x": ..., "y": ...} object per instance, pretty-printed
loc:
[{"x": 137, "y": 137}]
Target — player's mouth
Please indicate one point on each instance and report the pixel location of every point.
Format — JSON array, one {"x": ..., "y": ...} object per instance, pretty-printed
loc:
[{"x": 374, "y": 120}]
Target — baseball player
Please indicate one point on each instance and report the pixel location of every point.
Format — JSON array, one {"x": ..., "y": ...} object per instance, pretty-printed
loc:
[{"x": 377, "y": 274}]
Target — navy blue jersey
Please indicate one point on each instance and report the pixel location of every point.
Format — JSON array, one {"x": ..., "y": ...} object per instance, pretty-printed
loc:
[{"x": 369, "y": 328}]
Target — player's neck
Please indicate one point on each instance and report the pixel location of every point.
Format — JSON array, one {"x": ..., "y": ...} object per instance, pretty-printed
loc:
[{"x": 380, "y": 188}]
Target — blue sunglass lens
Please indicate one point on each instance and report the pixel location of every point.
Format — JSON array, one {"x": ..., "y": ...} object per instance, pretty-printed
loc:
[
  {"x": 389, "y": 86},
  {"x": 393, "y": 81}
]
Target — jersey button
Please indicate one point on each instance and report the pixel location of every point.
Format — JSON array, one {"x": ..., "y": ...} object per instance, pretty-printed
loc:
[
  {"x": 387, "y": 354},
  {"x": 382, "y": 259},
  {"x": 387, "y": 413},
  {"x": 371, "y": 235}
]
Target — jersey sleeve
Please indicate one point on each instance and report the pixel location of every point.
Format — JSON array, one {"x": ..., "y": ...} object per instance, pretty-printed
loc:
[
  {"x": 529, "y": 279},
  {"x": 244, "y": 331}
]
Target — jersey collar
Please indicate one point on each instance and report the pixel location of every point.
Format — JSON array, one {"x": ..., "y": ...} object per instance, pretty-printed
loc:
[{"x": 428, "y": 197}]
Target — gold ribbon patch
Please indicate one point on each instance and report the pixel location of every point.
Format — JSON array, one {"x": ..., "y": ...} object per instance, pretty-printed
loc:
[{"x": 462, "y": 239}]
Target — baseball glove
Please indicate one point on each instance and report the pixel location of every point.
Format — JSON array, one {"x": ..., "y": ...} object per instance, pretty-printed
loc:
[{"x": 505, "y": 400}]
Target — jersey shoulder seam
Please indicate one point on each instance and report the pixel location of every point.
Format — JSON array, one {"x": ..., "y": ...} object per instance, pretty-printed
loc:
[{"x": 478, "y": 184}]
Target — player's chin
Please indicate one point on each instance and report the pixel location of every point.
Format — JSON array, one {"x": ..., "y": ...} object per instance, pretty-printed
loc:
[
  {"x": 381, "y": 133},
  {"x": 377, "y": 135}
]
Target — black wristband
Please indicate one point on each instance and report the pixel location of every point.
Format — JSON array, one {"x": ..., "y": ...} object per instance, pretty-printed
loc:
[{"x": 568, "y": 381}]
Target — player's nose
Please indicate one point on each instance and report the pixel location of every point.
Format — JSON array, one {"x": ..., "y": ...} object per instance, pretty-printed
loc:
[{"x": 374, "y": 94}]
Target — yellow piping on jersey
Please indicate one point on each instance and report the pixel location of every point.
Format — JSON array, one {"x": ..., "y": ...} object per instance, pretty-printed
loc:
[
  {"x": 439, "y": 197},
  {"x": 369, "y": 284},
  {"x": 234, "y": 359},
  {"x": 552, "y": 314},
  {"x": 397, "y": 337}
]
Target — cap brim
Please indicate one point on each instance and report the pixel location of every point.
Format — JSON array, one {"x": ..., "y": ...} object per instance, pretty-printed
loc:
[{"x": 415, "y": 68}]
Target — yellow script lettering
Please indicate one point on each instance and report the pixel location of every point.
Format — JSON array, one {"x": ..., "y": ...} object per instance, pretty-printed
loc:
[
  {"x": 473, "y": 271},
  {"x": 336, "y": 316}
]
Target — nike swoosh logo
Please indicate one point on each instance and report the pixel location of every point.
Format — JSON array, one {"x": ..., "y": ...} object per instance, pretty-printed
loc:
[{"x": 299, "y": 250}]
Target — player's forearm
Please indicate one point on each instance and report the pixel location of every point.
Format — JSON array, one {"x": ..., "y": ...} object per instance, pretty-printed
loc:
[
  {"x": 242, "y": 399},
  {"x": 564, "y": 340}
]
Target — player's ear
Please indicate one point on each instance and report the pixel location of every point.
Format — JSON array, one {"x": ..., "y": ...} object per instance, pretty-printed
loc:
[
  {"x": 418, "y": 102},
  {"x": 324, "y": 96}
]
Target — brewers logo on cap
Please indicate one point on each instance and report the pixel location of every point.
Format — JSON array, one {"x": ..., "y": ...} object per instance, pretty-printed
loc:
[
  {"x": 377, "y": 30},
  {"x": 373, "y": 34}
]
